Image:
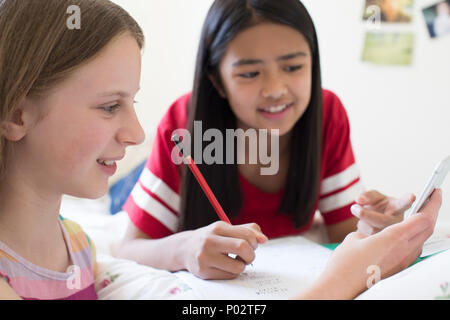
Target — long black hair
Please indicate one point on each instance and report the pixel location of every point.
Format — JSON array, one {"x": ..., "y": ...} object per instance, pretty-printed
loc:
[{"x": 224, "y": 21}]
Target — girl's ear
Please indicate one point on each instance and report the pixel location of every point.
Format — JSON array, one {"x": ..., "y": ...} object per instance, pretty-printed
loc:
[
  {"x": 217, "y": 85},
  {"x": 15, "y": 128}
]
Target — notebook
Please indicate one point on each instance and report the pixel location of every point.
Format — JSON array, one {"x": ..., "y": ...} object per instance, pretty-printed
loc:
[
  {"x": 286, "y": 267},
  {"x": 282, "y": 268}
]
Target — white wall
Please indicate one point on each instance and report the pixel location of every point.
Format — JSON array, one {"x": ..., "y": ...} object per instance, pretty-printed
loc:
[
  {"x": 172, "y": 30},
  {"x": 400, "y": 116}
]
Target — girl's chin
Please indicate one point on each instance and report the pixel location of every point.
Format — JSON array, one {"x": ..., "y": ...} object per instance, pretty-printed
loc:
[
  {"x": 280, "y": 131},
  {"x": 90, "y": 192}
]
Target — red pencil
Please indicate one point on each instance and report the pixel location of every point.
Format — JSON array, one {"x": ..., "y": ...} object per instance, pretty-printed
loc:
[{"x": 201, "y": 180}]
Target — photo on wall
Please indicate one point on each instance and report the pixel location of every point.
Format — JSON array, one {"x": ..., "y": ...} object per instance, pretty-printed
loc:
[
  {"x": 388, "y": 48},
  {"x": 389, "y": 11},
  {"x": 437, "y": 18}
]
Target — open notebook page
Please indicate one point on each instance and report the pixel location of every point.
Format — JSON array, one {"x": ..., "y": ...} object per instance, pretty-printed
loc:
[{"x": 282, "y": 268}]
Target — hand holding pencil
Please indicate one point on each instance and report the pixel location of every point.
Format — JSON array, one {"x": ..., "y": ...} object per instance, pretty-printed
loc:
[{"x": 208, "y": 256}]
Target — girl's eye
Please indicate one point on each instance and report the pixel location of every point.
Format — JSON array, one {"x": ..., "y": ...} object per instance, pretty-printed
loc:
[
  {"x": 249, "y": 75},
  {"x": 293, "y": 68},
  {"x": 111, "y": 109}
]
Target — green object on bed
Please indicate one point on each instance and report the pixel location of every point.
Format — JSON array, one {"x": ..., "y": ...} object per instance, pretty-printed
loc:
[{"x": 333, "y": 246}]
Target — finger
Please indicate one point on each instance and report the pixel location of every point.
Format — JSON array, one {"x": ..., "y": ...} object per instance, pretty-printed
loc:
[
  {"x": 248, "y": 232},
  {"x": 242, "y": 250},
  {"x": 254, "y": 226},
  {"x": 371, "y": 197},
  {"x": 229, "y": 264},
  {"x": 217, "y": 274},
  {"x": 260, "y": 236},
  {"x": 416, "y": 244},
  {"x": 235, "y": 246},
  {"x": 355, "y": 235},
  {"x": 421, "y": 222},
  {"x": 403, "y": 203},
  {"x": 374, "y": 218},
  {"x": 365, "y": 228},
  {"x": 431, "y": 209},
  {"x": 428, "y": 215},
  {"x": 224, "y": 229}
]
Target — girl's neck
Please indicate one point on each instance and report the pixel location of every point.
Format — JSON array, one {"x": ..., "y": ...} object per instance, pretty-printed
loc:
[
  {"x": 28, "y": 215},
  {"x": 273, "y": 182},
  {"x": 284, "y": 142}
]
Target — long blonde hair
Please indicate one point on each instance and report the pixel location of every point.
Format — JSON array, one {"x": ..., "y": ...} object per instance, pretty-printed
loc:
[{"x": 38, "y": 49}]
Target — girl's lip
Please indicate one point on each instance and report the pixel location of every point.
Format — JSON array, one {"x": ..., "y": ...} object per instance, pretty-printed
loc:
[
  {"x": 108, "y": 169},
  {"x": 277, "y": 115},
  {"x": 267, "y": 106},
  {"x": 112, "y": 158}
]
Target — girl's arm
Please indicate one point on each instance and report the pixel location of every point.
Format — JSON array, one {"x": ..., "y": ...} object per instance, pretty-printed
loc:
[
  {"x": 165, "y": 253},
  {"x": 203, "y": 252},
  {"x": 337, "y": 232},
  {"x": 6, "y": 292}
]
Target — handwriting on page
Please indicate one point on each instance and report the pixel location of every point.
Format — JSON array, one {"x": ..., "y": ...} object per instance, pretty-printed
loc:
[
  {"x": 282, "y": 268},
  {"x": 263, "y": 283}
]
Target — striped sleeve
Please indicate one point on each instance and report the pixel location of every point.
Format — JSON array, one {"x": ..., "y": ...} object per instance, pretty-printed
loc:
[
  {"x": 83, "y": 247},
  {"x": 154, "y": 203},
  {"x": 341, "y": 183}
]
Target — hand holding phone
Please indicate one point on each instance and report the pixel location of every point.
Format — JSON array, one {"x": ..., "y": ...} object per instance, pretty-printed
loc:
[{"x": 435, "y": 182}]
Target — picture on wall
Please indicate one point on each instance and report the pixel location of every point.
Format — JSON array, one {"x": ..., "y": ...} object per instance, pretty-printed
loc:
[
  {"x": 395, "y": 11},
  {"x": 388, "y": 48},
  {"x": 437, "y": 18}
]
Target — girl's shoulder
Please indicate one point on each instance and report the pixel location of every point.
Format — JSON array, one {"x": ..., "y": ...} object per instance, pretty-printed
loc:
[
  {"x": 177, "y": 114},
  {"x": 78, "y": 239},
  {"x": 82, "y": 247},
  {"x": 332, "y": 103},
  {"x": 31, "y": 281},
  {"x": 333, "y": 109}
]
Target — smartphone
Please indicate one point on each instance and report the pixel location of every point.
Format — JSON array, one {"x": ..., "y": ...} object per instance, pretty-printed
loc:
[{"x": 435, "y": 182}]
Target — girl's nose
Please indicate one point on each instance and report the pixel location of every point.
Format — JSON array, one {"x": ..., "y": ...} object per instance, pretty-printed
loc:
[
  {"x": 131, "y": 132},
  {"x": 273, "y": 88}
]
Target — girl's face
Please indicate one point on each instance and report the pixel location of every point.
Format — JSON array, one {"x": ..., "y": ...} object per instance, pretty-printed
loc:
[
  {"x": 266, "y": 77},
  {"x": 88, "y": 121}
]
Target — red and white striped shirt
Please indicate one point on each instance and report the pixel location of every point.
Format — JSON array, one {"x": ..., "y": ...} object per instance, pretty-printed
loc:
[{"x": 154, "y": 203}]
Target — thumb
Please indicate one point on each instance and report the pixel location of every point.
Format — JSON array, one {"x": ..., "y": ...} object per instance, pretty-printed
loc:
[
  {"x": 261, "y": 237},
  {"x": 425, "y": 219},
  {"x": 434, "y": 204},
  {"x": 406, "y": 201},
  {"x": 402, "y": 204}
]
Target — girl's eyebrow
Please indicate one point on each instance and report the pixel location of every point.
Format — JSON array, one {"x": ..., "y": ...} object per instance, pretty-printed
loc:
[
  {"x": 114, "y": 93},
  {"x": 289, "y": 56},
  {"x": 120, "y": 93},
  {"x": 293, "y": 55},
  {"x": 243, "y": 62}
]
